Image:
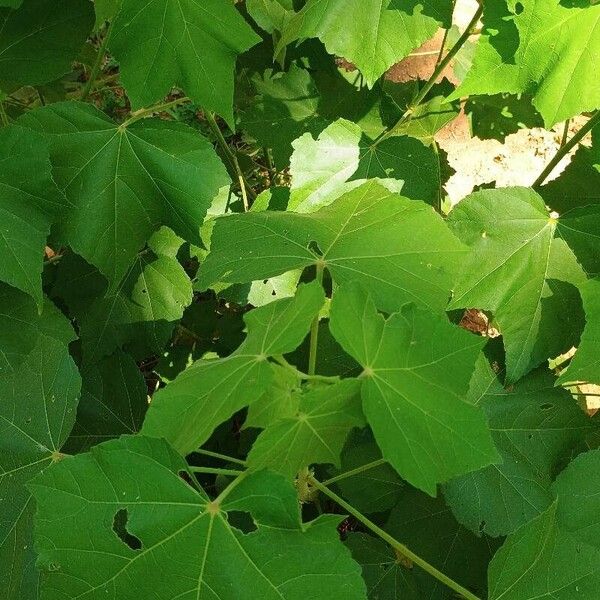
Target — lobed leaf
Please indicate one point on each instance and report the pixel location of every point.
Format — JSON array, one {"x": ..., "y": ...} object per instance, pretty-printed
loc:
[
  {"x": 123, "y": 183},
  {"x": 189, "y": 408},
  {"x": 417, "y": 369},
  {"x": 519, "y": 271},
  {"x": 129, "y": 495},
  {"x": 366, "y": 235},
  {"x": 542, "y": 47},
  {"x": 190, "y": 44}
]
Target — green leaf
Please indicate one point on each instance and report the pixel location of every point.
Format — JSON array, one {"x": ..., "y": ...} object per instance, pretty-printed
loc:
[
  {"x": 280, "y": 401},
  {"x": 314, "y": 435},
  {"x": 185, "y": 43},
  {"x": 365, "y": 235},
  {"x": 385, "y": 575},
  {"x": 128, "y": 492},
  {"x": 405, "y": 159},
  {"x": 105, "y": 11},
  {"x": 189, "y": 408},
  {"x": 285, "y": 108},
  {"x": 579, "y": 228},
  {"x": 429, "y": 117},
  {"x": 22, "y": 326},
  {"x": 41, "y": 38},
  {"x": 495, "y": 117},
  {"x": 37, "y": 410},
  {"x": 114, "y": 400},
  {"x": 417, "y": 368},
  {"x": 521, "y": 272},
  {"x": 429, "y": 529},
  {"x": 578, "y": 184},
  {"x": 29, "y": 203},
  {"x": 585, "y": 365},
  {"x": 534, "y": 426},
  {"x": 123, "y": 183},
  {"x": 373, "y": 490},
  {"x": 371, "y": 34},
  {"x": 320, "y": 168},
  {"x": 140, "y": 313},
  {"x": 270, "y": 15},
  {"x": 542, "y": 47},
  {"x": 555, "y": 555}
]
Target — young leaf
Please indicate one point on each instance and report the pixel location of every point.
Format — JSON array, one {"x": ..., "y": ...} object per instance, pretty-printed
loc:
[
  {"x": 371, "y": 34},
  {"x": 129, "y": 495},
  {"x": 555, "y": 555},
  {"x": 189, "y": 408},
  {"x": 314, "y": 435},
  {"x": 534, "y": 426},
  {"x": 114, "y": 400},
  {"x": 123, "y": 183},
  {"x": 29, "y": 203},
  {"x": 585, "y": 365},
  {"x": 520, "y": 272},
  {"x": 41, "y": 38},
  {"x": 545, "y": 48},
  {"x": 417, "y": 368},
  {"x": 189, "y": 44},
  {"x": 366, "y": 235},
  {"x": 37, "y": 410}
]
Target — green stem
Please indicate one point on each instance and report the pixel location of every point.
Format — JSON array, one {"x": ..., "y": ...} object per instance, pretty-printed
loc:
[
  {"x": 232, "y": 158},
  {"x": 97, "y": 63},
  {"x": 314, "y": 330},
  {"x": 441, "y": 66},
  {"x": 146, "y": 112},
  {"x": 213, "y": 471},
  {"x": 219, "y": 499},
  {"x": 220, "y": 456},
  {"x": 565, "y": 135},
  {"x": 3, "y": 116},
  {"x": 443, "y": 46},
  {"x": 351, "y": 473},
  {"x": 270, "y": 166},
  {"x": 280, "y": 360},
  {"x": 564, "y": 150},
  {"x": 395, "y": 544}
]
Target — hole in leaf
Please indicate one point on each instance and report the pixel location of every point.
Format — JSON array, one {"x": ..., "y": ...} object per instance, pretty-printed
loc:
[
  {"x": 241, "y": 520},
  {"x": 186, "y": 477},
  {"x": 314, "y": 248},
  {"x": 120, "y": 528},
  {"x": 519, "y": 8}
]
